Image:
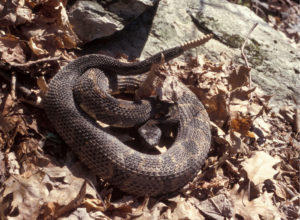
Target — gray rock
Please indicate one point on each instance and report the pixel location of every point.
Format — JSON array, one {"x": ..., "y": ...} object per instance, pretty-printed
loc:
[
  {"x": 274, "y": 61},
  {"x": 130, "y": 9},
  {"x": 91, "y": 20},
  {"x": 272, "y": 57}
]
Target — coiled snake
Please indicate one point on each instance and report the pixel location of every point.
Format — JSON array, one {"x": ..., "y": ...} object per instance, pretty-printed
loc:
[{"x": 132, "y": 171}]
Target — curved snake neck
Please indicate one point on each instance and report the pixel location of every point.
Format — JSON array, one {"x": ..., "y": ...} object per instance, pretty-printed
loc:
[{"x": 122, "y": 166}]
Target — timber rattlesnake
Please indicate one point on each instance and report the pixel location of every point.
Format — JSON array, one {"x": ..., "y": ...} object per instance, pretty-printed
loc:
[{"x": 131, "y": 171}]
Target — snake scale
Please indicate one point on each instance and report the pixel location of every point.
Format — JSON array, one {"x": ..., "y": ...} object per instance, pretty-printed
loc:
[{"x": 126, "y": 168}]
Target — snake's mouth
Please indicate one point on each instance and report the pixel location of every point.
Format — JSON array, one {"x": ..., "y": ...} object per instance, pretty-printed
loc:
[{"x": 132, "y": 138}]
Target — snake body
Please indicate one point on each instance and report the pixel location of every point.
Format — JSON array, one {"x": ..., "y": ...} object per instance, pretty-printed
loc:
[{"x": 132, "y": 171}]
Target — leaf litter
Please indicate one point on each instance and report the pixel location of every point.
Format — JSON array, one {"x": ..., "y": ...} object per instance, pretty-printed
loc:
[{"x": 251, "y": 172}]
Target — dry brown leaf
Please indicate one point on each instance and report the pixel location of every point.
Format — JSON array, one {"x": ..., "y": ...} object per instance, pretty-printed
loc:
[
  {"x": 288, "y": 113},
  {"x": 260, "y": 167},
  {"x": 242, "y": 125},
  {"x": 12, "y": 164},
  {"x": 122, "y": 207},
  {"x": 255, "y": 109},
  {"x": 12, "y": 49},
  {"x": 241, "y": 94},
  {"x": 31, "y": 122},
  {"x": 52, "y": 189},
  {"x": 238, "y": 143},
  {"x": 216, "y": 103},
  {"x": 48, "y": 211},
  {"x": 153, "y": 80},
  {"x": 82, "y": 213},
  {"x": 239, "y": 77},
  {"x": 217, "y": 207},
  {"x": 67, "y": 41},
  {"x": 186, "y": 209},
  {"x": 36, "y": 47},
  {"x": 41, "y": 82},
  {"x": 16, "y": 122},
  {"x": 46, "y": 30},
  {"x": 5, "y": 124},
  {"x": 24, "y": 15},
  {"x": 158, "y": 211},
  {"x": 93, "y": 204},
  {"x": 9, "y": 17},
  {"x": 280, "y": 191},
  {"x": 239, "y": 108},
  {"x": 23, "y": 196},
  {"x": 264, "y": 126},
  {"x": 261, "y": 96},
  {"x": 171, "y": 89},
  {"x": 256, "y": 209},
  {"x": 73, "y": 204},
  {"x": 3, "y": 167},
  {"x": 226, "y": 62}
]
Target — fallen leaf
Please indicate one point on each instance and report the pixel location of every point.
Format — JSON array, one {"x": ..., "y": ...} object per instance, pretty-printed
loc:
[
  {"x": 260, "y": 167},
  {"x": 12, "y": 49},
  {"x": 122, "y": 207},
  {"x": 36, "y": 47},
  {"x": 41, "y": 82},
  {"x": 24, "y": 14},
  {"x": 280, "y": 191},
  {"x": 239, "y": 77},
  {"x": 186, "y": 209},
  {"x": 73, "y": 204},
  {"x": 217, "y": 207},
  {"x": 12, "y": 164},
  {"x": 171, "y": 90},
  {"x": 47, "y": 190},
  {"x": 25, "y": 194},
  {"x": 256, "y": 209},
  {"x": 242, "y": 125}
]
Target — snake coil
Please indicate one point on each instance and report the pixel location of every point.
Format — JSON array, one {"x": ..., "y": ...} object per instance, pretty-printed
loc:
[{"x": 131, "y": 171}]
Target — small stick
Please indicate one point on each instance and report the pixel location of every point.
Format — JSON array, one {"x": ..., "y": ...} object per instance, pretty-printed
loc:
[
  {"x": 297, "y": 117},
  {"x": 244, "y": 44},
  {"x": 244, "y": 56},
  {"x": 29, "y": 63},
  {"x": 13, "y": 86}
]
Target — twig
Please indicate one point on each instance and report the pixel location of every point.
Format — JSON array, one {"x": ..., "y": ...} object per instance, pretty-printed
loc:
[
  {"x": 244, "y": 44},
  {"x": 297, "y": 117},
  {"x": 13, "y": 86},
  {"x": 29, "y": 63},
  {"x": 245, "y": 58}
]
